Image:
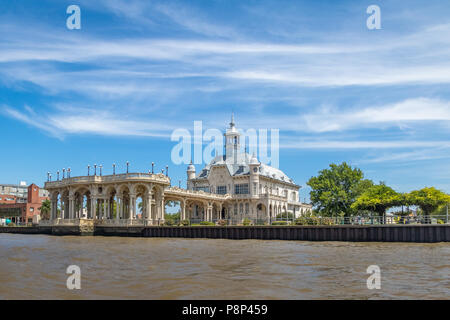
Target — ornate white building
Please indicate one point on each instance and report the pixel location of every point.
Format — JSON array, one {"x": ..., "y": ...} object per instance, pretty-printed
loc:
[{"x": 257, "y": 191}]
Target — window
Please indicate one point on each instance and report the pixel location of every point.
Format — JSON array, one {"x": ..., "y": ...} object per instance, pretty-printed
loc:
[
  {"x": 246, "y": 208},
  {"x": 235, "y": 209},
  {"x": 221, "y": 189},
  {"x": 241, "y": 188},
  {"x": 31, "y": 209},
  {"x": 241, "y": 208},
  {"x": 205, "y": 189}
]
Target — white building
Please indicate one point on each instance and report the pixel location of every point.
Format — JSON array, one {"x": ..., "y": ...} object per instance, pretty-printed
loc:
[{"x": 257, "y": 190}]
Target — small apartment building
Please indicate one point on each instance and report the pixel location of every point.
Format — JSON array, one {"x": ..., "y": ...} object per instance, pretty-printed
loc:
[{"x": 20, "y": 203}]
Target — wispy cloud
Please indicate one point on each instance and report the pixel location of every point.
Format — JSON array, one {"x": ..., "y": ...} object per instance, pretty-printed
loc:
[
  {"x": 410, "y": 110},
  {"x": 89, "y": 122}
]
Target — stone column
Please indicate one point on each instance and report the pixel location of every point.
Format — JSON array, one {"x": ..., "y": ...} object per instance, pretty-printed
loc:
[
  {"x": 132, "y": 206},
  {"x": 108, "y": 208},
  {"x": 162, "y": 209},
  {"x": 93, "y": 207},
  {"x": 54, "y": 208},
  {"x": 118, "y": 207},
  {"x": 183, "y": 210},
  {"x": 71, "y": 207},
  {"x": 148, "y": 207}
]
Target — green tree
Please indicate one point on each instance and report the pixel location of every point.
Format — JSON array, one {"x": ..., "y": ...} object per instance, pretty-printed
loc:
[
  {"x": 378, "y": 198},
  {"x": 335, "y": 189},
  {"x": 45, "y": 209},
  {"x": 428, "y": 199}
]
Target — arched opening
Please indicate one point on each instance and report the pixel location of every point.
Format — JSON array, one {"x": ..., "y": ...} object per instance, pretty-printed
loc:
[
  {"x": 141, "y": 202},
  {"x": 172, "y": 209},
  {"x": 110, "y": 205},
  {"x": 261, "y": 213}
]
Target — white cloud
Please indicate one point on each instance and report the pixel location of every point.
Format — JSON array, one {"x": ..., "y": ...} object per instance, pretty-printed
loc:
[
  {"x": 410, "y": 110},
  {"x": 80, "y": 121}
]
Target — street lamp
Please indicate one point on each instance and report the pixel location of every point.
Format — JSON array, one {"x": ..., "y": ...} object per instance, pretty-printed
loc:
[
  {"x": 101, "y": 166},
  {"x": 167, "y": 171},
  {"x": 153, "y": 167},
  {"x": 114, "y": 169},
  {"x": 64, "y": 172},
  {"x": 48, "y": 176},
  {"x": 128, "y": 164},
  {"x": 68, "y": 172},
  {"x": 95, "y": 169},
  {"x": 179, "y": 183},
  {"x": 88, "y": 166},
  {"x": 57, "y": 175}
]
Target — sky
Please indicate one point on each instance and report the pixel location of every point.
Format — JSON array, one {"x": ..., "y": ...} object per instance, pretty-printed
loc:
[{"x": 115, "y": 90}]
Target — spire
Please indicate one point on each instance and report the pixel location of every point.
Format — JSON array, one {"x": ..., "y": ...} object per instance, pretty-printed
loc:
[{"x": 232, "y": 120}]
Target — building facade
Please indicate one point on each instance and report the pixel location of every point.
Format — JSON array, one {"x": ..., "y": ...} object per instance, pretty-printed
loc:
[
  {"x": 20, "y": 203},
  {"x": 234, "y": 186},
  {"x": 257, "y": 190}
]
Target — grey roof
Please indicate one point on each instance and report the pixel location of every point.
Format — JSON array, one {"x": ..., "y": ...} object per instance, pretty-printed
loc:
[{"x": 241, "y": 167}]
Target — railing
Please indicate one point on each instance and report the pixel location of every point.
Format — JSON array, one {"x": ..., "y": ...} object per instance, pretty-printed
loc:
[
  {"x": 303, "y": 220},
  {"x": 109, "y": 178},
  {"x": 125, "y": 222},
  {"x": 360, "y": 220}
]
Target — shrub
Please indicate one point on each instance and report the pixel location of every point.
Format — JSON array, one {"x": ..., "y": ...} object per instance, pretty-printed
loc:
[
  {"x": 440, "y": 221},
  {"x": 12, "y": 224},
  {"x": 207, "y": 223},
  {"x": 184, "y": 222},
  {"x": 246, "y": 222},
  {"x": 327, "y": 221},
  {"x": 169, "y": 223},
  {"x": 222, "y": 222},
  {"x": 301, "y": 221},
  {"x": 280, "y": 223}
]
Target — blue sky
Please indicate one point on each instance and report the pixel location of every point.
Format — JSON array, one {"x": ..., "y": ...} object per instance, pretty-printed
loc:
[{"x": 137, "y": 70}]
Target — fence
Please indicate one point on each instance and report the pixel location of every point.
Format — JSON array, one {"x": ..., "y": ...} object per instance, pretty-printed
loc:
[{"x": 357, "y": 220}]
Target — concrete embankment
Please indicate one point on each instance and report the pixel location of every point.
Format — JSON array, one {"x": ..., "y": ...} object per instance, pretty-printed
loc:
[{"x": 388, "y": 233}]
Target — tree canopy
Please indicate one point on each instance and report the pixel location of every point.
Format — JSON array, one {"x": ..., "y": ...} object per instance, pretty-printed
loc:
[
  {"x": 428, "y": 199},
  {"x": 45, "y": 210},
  {"x": 378, "y": 198},
  {"x": 335, "y": 189}
]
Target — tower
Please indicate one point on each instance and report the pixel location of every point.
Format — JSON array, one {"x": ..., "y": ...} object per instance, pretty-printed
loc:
[
  {"x": 254, "y": 176},
  {"x": 190, "y": 174},
  {"x": 232, "y": 141}
]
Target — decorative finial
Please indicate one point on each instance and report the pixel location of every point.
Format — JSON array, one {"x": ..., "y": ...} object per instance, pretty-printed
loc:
[{"x": 232, "y": 120}]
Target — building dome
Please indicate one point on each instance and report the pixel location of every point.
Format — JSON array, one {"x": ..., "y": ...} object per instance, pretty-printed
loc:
[
  {"x": 191, "y": 167},
  {"x": 254, "y": 160}
]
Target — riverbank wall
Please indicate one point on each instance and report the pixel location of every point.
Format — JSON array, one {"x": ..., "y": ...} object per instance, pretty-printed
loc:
[{"x": 357, "y": 233}]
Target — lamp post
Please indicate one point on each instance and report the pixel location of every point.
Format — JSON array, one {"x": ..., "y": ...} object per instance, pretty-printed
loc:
[
  {"x": 57, "y": 175},
  {"x": 128, "y": 165},
  {"x": 95, "y": 169},
  {"x": 64, "y": 173},
  {"x": 68, "y": 172},
  {"x": 88, "y": 166},
  {"x": 48, "y": 176},
  {"x": 101, "y": 166},
  {"x": 153, "y": 167},
  {"x": 179, "y": 184},
  {"x": 167, "y": 171},
  {"x": 114, "y": 169}
]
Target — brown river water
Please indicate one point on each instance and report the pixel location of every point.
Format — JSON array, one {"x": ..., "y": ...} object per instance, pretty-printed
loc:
[{"x": 34, "y": 267}]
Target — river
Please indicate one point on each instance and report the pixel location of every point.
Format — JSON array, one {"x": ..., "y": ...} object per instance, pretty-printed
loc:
[{"x": 34, "y": 267}]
